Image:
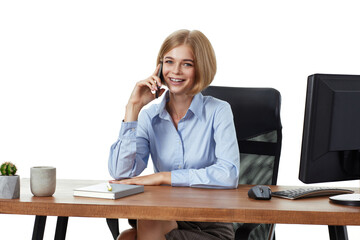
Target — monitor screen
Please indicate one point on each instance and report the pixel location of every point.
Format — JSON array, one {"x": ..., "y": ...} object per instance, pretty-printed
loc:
[{"x": 331, "y": 135}]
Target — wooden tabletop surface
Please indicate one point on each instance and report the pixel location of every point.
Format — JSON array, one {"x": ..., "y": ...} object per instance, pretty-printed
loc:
[{"x": 182, "y": 203}]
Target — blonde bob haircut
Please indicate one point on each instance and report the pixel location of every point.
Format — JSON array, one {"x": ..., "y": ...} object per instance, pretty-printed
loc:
[{"x": 204, "y": 55}]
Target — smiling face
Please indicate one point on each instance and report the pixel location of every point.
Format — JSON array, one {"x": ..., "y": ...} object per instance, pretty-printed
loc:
[{"x": 179, "y": 70}]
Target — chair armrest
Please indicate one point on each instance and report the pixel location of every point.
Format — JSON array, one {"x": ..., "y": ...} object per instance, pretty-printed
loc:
[{"x": 243, "y": 232}]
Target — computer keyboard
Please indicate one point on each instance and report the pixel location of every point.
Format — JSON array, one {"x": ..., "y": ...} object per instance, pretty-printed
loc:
[{"x": 297, "y": 193}]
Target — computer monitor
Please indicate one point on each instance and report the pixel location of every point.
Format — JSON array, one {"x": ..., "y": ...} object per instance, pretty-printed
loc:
[{"x": 331, "y": 135}]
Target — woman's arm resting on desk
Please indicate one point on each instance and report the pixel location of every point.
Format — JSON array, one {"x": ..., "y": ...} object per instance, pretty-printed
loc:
[
  {"x": 124, "y": 161},
  {"x": 152, "y": 179}
]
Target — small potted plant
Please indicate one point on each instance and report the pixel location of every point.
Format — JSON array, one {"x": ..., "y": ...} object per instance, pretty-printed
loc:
[{"x": 9, "y": 182}]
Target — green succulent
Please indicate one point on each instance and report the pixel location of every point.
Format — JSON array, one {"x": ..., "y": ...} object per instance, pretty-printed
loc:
[{"x": 8, "y": 169}]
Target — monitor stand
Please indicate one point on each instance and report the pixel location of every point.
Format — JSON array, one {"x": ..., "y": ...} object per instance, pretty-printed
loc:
[{"x": 346, "y": 199}]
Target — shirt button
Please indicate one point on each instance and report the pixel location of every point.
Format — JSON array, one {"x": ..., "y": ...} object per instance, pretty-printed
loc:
[{"x": 179, "y": 167}]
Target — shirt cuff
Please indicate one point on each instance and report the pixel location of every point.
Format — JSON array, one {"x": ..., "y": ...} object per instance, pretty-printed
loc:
[
  {"x": 180, "y": 178},
  {"x": 128, "y": 130}
]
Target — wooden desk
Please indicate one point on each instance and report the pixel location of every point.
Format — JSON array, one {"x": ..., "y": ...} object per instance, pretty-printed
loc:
[{"x": 184, "y": 204}]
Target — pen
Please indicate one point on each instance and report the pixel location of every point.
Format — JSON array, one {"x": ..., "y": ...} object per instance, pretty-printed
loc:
[{"x": 109, "y": 187}]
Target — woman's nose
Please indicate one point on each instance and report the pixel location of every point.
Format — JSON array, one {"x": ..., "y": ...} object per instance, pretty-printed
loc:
[{"x": 177, "y": 69}]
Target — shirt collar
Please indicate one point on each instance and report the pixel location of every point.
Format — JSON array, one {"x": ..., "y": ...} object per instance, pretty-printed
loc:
[
  {"x": 161, "y": 111},
  {"x": 196, "y": 106}
]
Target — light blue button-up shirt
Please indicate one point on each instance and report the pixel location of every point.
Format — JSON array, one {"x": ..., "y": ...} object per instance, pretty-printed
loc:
[{"x": 202, "y": 152}]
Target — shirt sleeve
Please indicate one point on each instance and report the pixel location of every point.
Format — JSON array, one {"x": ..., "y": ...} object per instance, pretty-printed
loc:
[
  {"x": 224, "y": 173},
  {"x": 130, "y": 153}
]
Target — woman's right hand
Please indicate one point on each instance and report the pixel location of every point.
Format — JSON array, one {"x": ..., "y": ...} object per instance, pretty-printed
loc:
[{"x": 143, "y": 93}]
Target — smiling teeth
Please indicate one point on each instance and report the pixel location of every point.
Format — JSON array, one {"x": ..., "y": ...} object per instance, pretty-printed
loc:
[{"x": 176, "y": 80}]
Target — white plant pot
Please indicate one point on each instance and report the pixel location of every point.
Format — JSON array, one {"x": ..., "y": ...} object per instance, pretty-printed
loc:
[{"x": 9, "y": 187}]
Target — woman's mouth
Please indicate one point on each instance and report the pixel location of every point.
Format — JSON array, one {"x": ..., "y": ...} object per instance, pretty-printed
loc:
[{"x": 177, "y": 80}]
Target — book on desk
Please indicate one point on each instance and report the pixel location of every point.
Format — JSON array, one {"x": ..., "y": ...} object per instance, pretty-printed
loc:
[{"x": 101, "y": 191}]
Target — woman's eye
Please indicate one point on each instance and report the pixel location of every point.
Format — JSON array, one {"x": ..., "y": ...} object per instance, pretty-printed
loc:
[
  {"x": 169, "y": 61},
  {"x": 188, "y": 65}
]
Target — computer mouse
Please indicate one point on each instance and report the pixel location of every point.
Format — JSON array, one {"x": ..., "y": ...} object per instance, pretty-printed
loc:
[{"x": 260, "y": 192}]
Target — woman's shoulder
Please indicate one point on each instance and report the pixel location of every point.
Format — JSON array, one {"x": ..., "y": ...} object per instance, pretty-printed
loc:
[
  {"x": 214, "y": 103},
  {"x": 217, "y": 110}
]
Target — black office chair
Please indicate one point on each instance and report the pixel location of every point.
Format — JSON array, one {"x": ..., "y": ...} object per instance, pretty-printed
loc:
[
  {"x": 258, "y": 128},
  {"x": 259, "y": 133}
]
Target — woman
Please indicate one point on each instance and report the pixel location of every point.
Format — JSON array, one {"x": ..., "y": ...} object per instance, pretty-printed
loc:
[{"x": 191, "y": 138}]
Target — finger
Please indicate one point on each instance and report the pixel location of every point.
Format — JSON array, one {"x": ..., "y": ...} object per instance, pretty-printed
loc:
[
  {"x": 115, "y": 181},
  {"x": 157, "y": 69},
  {"x": 147, "y": 83},
  {"x": 132, "y": 181},
  {"x": 151, "y": 85},
  {"x": 156, "y": 81},
  {"x": 119, "y": 182},
  {"x": 150, "y": 82}
]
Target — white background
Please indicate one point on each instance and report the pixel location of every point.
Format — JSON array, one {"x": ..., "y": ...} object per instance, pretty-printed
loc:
[{"x": 67, "y": 69}]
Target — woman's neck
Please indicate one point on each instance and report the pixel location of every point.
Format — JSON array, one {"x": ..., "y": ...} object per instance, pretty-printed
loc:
[{"x": 177, "y": 106}]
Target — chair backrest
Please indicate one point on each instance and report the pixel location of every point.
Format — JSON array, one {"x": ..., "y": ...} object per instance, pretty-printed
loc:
[{"x": 258, "y": 128}]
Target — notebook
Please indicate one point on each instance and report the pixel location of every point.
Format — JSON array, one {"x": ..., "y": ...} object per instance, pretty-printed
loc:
[{"x": 101, "y": 191}]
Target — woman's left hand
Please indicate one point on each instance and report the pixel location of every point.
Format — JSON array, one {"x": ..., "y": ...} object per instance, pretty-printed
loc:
[{"x": 152, "y": 179}]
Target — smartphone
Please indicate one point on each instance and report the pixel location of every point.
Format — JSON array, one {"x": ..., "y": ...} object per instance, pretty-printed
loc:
[{"x": 160, "y": 75}]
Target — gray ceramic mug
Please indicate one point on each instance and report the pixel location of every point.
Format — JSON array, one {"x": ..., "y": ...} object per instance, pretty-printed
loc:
[{"x": 43, "y": 181}]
